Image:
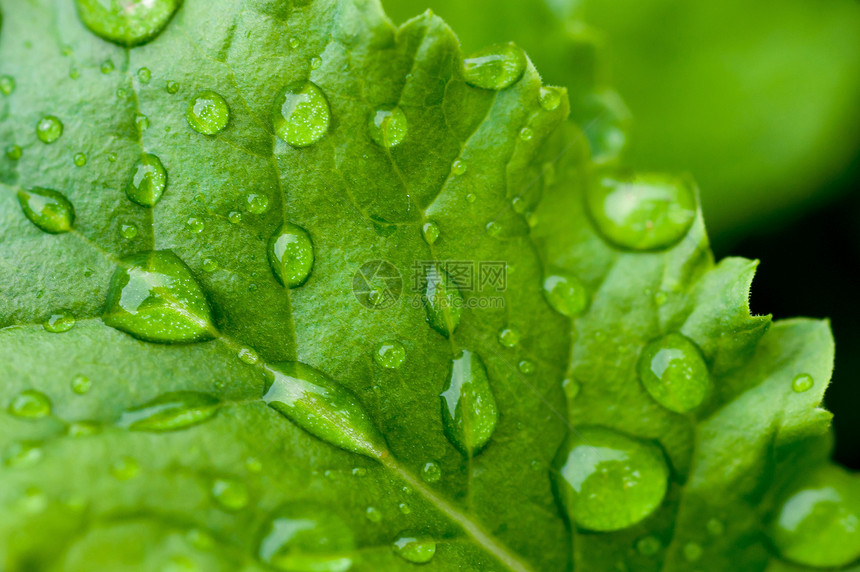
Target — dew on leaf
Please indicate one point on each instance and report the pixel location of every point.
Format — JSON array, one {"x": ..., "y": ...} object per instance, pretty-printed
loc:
[
  {"x": 256, "y": 203},
  {"x": 210, "y": 265},
  {"x": 641, "y": 212},
  {"x": 415, "y": 550},
  {"x": 648, "y": 545},
  {"x": 518, "y": 204},
  {"x": 172, "y": 87},
  {"x": 458, "y": 167},
  {"x": 431, "y": 472},
  {"x": 126, "y": 22},
  {"x": 608, "y": 481},
  {"x": 248, "y": 356},
  {"x": 359, "y": 472},
  {"x": 715, "y": 527},
  {"x": 469, "y": 411},
  {"x": 571, "y": 388},
  {"x": 106, "y": 67},
  {"x": 526, "y": 366},
  {"x": 495, "y": 67},
  {"x": 565, "y": 293},
  {"x": 80, "y": 429},
  {"x": 14, "y": 152},
  {"x": 7, "y": 84},
  {"x": 388, "y": 127},
  {"x": 294, "y": 42},
  {"x": 323, "y": 408},
  {"x": 81, "y": 384},
  {"x": 154, "y": 297},
  {"x": 80, "y": 159},
  {"x": 230, "y": 494},
  {"x": 509, "y": 337},
  {"x": 315, "y": 62},
  {"x": 802, "y": 382},
  {"x": 443, "y": 302},
  {"x": 302, "y": 115},
  {"x": 59, "y": 322},
  {"x": 674, "y": 372},
  {"x": 494, "y": 228},
  {"x": 48, "y": 129},
  {"x": 121, "y": 93},
  {"x": 49, "y": 210},
  {"x": 291, "y": 255},
  {"x": 692, "y": 552},
  {"x": 147, "y": 182},
  {"x": 30, "y": 404},
  {"x": 128, "y": 231},
  {"x": 234, "y": 217},
  {"x": 23, "y": 454},
  {"x": 550, "y": 98},
  {"x": 526, "y": 133},
  {"x": 112, "y": 157},
  {"x": 170, "y": 412},
  {"x": 195, "y": 225},
  {"x": 144, "y": 75},
  {"x": 207, "y": 113},
  {"x": 125, "y": 468},
  {"x": 306, "y": 538},
  {"x": 430, "y": 232},
  {"x": 471, "y": 197},
  {"x": 390, "y": 355},
  {"x": 373, "y": 514}
]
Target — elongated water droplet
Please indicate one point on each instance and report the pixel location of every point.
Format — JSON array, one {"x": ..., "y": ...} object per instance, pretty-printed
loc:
[
  {"x": 154, "y": 297},
  {"x": 230, "y": 494},
  {"x": 469, "y": 411},
  {"x": 302, "y": 115},
  {"x": 30, "y": 404},
  {"x": 390, "y": 355},
  {"x": 60, "y": 322},
  {"x": 49, "y": 210},
  {"x": 674, "y": 372},
  {"x": 509, "y": 337},
  {"x": 443, "y": 301},
  {"x": 306, "y": 538},
  {"x": 323, "y": 408},
  {"x": 414, "y": 549},
  {"x": 148, "y": 181},
  {"x": 495, "y": 67},
  {"x": 818, "y": 521},
  {"x": 315, "y": 62},
  {"x": 81, "y": 384},
  {"x": 170, "y": 412},
  {"x": 430, "y": 231},
  {"x": 388, "y": 127},
  {"x": 7, "y": 84},
  {"x": 642, "y": 212},
  {"x": 207, "y": 113},
  {"x": 49, "y": 129},
  {"x": 126, "y": 22},
  {"x": 802, "y": 382},
  {"x": 291, "y": 255},
  {"x": 431, "y": 472},
  {"x": 565, "y": 293},
  {"x": 608, "y": 481}
]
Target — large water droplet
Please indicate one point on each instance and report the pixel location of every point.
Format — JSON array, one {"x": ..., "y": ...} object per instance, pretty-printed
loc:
[
  {"x": 59, "y": 322},
  {"x": 47, "y": 209},
  {"x": 302, "y": 115},
  {"x": 323, "y": 408},
  {"x": 495, "y": 67},
  {"x": 30, "y": 404},
  {"x": 291, "y": 255},
  {"x": 207, "y": 113},
  {"x": 155, "y": 297},
  {"x": 7, "y": 84},
  {"x": 170, "y": 412},
  {"x": 230, "y": 494},
  {"x": 642, "y": 212},
  {"x": 148, "y": 181},
  {"x": 608, "y": 481},
  {"x": 443, "y": 301},
  {"x": 550, "y": 98},
  {"x": 126, "y": 22},
  {"x": 415, "y": 550},
  {"x": 256, "y": 203},
  {"x": 802, "y": 382},
  {"x": 306, "y": 538},
  {"x": 818, "y": 522},
  {"x": 388, "y": 127},
  {"x": 390, "y": 355},
  {"x": 49, "y": 129},
  {"x": 469, "y": 411},
  {"x": 674, "y": 372},
  {"x": 565, "y": 293}
]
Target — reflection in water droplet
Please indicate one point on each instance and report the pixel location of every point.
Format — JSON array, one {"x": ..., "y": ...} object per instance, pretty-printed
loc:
[
  {"x": 235, "y": 217},
  {"x": 509, "y": 337},
  {"x": 195, "y": 225},
  {"x": 306, "y": 538},
  {"x": 674, "y": 372},
  {"x": 571, "y": 388},
  {"x": 49, "y": 129},
  {"x": 170, "y": 412},
  {"x": 415, "y": 550},
  {"x": 49, "y": 210},
  {"x": 390, "y": 355},
  {"x": 443, "y": 302},
  {"x": 230, "y": 494},
  {"x": 207, "y": 113},
  {"x": 172, "y": 87},
  {"x": 14, "y": 152},
  {"x": 144, "y": 75},
  {"x": 388, "y": 127},
  {"x": 469, "y": 411},
  {"x": 147, "y": 182},
  {"x": 80, "y": 159},
  {"x": 526, "y": 366},
  {"x": 802, "y": 382},
  {"x": 127, "y": 22},
  {"x": 256, "y": 204},
  {"x": 210, "y": 265},
  {"x": 62, "y": 321},
  {"x": 302, "y": 115},
  {"x": 30, "y": 404},
  {"x": 495, "y": 67},
  {"x": 291, "y": 255},
  {"x": 128, "y": 231},
  {"x": 315, "y": 62},
  {"x": 81, "y": 384},
  {"x": 526, "y": 134},
  {"x": 373, "y": 514},
  {"x": 430, "y": 231},
  {"x": 106, "y": 67},
  {"x": 80, "y": 429},
  {"x": 431, "y": 472},
  {"x": 7, "y": 84},
  {"x": 550, "y": 98},
  {"x": 565, "y": 293},
  {"x": 458, "y": 167}
]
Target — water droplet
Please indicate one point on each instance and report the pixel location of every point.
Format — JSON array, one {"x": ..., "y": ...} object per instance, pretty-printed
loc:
[
  {"x": 404, "y": 508},
  {"x": 7, "y": 84},
  {"x": 147, "y": 182},
  {"x": 648, "y": 545},
  {"x": 802, "y": 382},
  {"x": 129, "y": 22},
  {"x": 23, "y": 454},
  {"x": 359, "y": 472},
  {"x": 256, "y": 204},
  {"x": 458, "y": 167},
  {"x": 571, "y": 388},
  {"x": 62, "y": 321},
  {"x": 74, "y": 73},
  {"x": 469, "y": 411},
  {"x": 49, "y": 210},
  {"x": 373, "y": 514},
  {"x": 248, "y": 356},
  {"x": 431, "y": 472},
  {"x": 471, "y": 197},
  {"x": 80, "y": 429},
  {"x": 323, "y": 408},
  {"x": 81, "y": 384},
  {"x": 112, "y": 157},
  {"x": 509, "y": 337},
  {"x": 550, "y": 98},
  {"x": 80, "y": 159},
  {"x": 818, "y": 520},
  {"x": 172, "y": 87},
  {"x": 230, "y": 494},
  {"x": 565, "y": 293},
  {"x": 141, "y": 121},
  {"x": 154, "y": 297},
  {"x": 443, "y": 302},
  {"x": 390, "y": 355},
  {"x": 291, "y": 255},
  {"x": 495, "y": 67},
  {"x": 125, "y": 468},
  {"x": 608, "y": 481},
  {"x": 294, "y": 42},
  {"x": 207, "y": 113},
  {"x": 235, "y": 217},
  {"x": 430, "y": 231},
  {"x": 30, "y": 404},
  {"x": 715, "y": 527},
  {"x": 519, "y": 205},
  {"x": 121, "y": 93},
  {"x": 14, "y": 152},
  {"x": 170, "y": 412},
  {"x": 526, "y": 134},
  {"x": 128, "y": 231},
  {"x": 642, "y": 212},
  {"x": 210, "y": 265},
  {"x": 302, "y": 115},
  {"x": 674, "y": 372},
  {"x": 144, "y": 75},
  {"x": 49, "y": 129},
  {"x": 195, "y": 225},
  {"x": 692, "y": 552},
  {"x": 414, "y": 550},
  {"x": 306, "y": 538},
  {"x": 316, "y": 62},
  {"x": 106, "y": 67},
  {"x": 526, "y": 366},
  {"x": 388, "y": 127},
  {"x": 494, "y": 228}
]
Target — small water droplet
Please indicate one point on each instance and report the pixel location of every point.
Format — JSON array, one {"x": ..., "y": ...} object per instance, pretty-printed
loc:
[
  {"x": 316, "y": 62},
  {"x": 802, "y": 382},
  {"x": 128, "y": 231},
  {"x": 306, "y": 538},
  {"x": 144, "y": 75},
  {"x": 23, "y": 454},
  {"x": 415, "y": 550},
  {"x": 125, "y": 468},
  {"x": 147, "y": 182},
  {"x": 106, "y": 67},
  {"x": 30, "y": 404},
  {"x": 127, "y": 23},
  {"x": 230, "y": 494},
  {"x": 715, "y": 527},
  {"x": 471, "y": 197},
  {"x": 80, "y": 159},
  {"x": 81, "y": 384},
  {"x": 74, "y": 73},
  {"x": 172, "y": 87},
  {"x": 302, "y": 115},
  {"x": 469, "y": 411},
  {"x": 494, "y": 228},
  {"x": 112, "y": 157},
  {"x": 495, "y": 67},
  {"x": 571, "y": 388},
  {"x": 14, "y": 152},
  {"x": 256, "y": 203},
  {"x": 121, "y": 93},
  {"x": 404, "y": 508},
  {"x": 210, "y": 265},
  {"x": 49, "y": 129},
  {"x": 235, "y": 217},
  {"x": 7, "y": 84},
  {"x": 170, "y": 412},
  {"x": 550, "y": 98},
  {"x": 294, "y": 42},
  {"x": 373, "y": 514},
  {"x": 443, "y": 301},
  {"x": 509, "y": 337},
  {"x": 195, "y": 225},
  {"x": 649, "y": 545},
  {"x": 323, "y": 408},
  {"x": 430, "y": 231},
  {"x": 692, "y": 552},
  {"x": 207, "y": 113},
  {"x": 599, "y": 470},
  {"x": 49, "y": 210},
  {"x": 141, "y": 121},
  {"x": 526, "y": 134},
  {"x": 526, "y": 366},
  {"x": 60, "y": 322},
  {"x": 291, "y": 255},
  {"x": 154, "y": 297},
  {"x": 359, "y": 472},
  {"x": 674, "y": 372},
  {"x": 519, "y": 205},
  {"x": 80, "y": 429},
  {"x": 248, "y": 356},
  {"x": 660, "y": 297},
  {"x": 458, "y": 167},
  {"x": 388, "y": 127},
  {"x": 565, "y": 293},
  {"x": 390, "y": 355},
  {"x": 431, "y": 472}
]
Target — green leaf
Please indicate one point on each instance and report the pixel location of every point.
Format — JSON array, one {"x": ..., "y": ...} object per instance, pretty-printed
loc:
[{"x": 219, "y": 391}]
